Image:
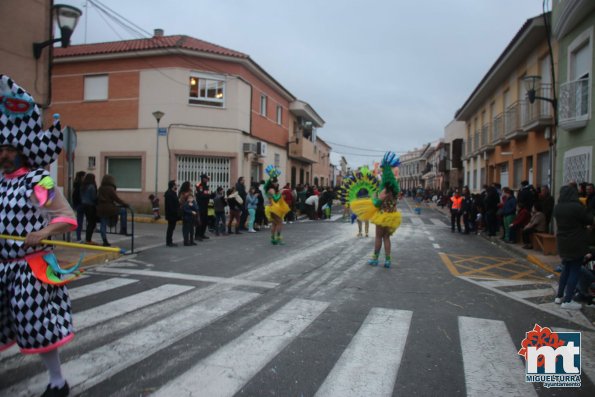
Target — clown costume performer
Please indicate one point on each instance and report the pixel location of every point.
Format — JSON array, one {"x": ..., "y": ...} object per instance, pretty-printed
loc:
[
  {"x": 381, "y": 210},
  {"x": 276, "y": 208},
  {"x": 35, "y": 308}
]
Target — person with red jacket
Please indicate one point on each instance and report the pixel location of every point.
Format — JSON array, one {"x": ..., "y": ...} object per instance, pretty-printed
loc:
[{"x": 521, "y": 220}]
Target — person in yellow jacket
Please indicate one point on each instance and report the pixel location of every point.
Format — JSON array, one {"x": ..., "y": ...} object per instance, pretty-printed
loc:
[{"x": 381, "y": 210}]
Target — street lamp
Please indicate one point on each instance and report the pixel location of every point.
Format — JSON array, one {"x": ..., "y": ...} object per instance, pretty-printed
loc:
[
  {"x": 67, "y": 17},
  {"x": 158, "y": 115},
  {"x": 532, "y": 85}
]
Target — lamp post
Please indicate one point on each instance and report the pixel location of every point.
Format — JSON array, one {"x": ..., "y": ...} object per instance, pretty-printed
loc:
[
  {"x": 158, "y": 115},
  {"x": 67, "y": 18}
]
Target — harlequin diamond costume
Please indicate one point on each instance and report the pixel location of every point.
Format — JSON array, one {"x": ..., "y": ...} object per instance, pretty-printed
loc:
[
  {"x": 277, "y": 208},
  {"x": 35, "y": 308},
  {"x": 382, "y": 209}
]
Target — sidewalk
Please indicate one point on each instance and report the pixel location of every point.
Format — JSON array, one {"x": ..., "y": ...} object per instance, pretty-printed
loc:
[{"x": 545, "y": 262}]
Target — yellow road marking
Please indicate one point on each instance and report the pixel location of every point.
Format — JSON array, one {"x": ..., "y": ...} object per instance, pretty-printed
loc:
[
  {"x": 490, "y": 267},
  {"x": 453, "y": 270}
]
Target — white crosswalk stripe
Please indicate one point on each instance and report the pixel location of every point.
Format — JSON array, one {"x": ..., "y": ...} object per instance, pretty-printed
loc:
[
  {"x": 490, "y": 357},
  {"x": 99, "y": 287},
  {"x": 223, "y": 373},
  {"x": 368, "y": 366}
]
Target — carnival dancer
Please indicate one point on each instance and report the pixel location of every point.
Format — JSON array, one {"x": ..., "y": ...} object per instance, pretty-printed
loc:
[
  {"x": 35, "y": 307},
  {"x": 381, "y": 210},
  {"x": 363, "y": 184},
  {"x": 276, "y": 208}
]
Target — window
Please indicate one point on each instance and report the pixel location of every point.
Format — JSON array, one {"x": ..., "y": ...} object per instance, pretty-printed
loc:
[
  {"x": 279, "y": 115},
  {"x": 126, "y": 171},
  {"x": 218, "y": 168},
  {"x": 577, "y": 164},
  {"x": 277, "y": 160},
  {"x": 96, "y": 88},
  {"x": 91, "y": 163},
  {"x": 543, "y": 168},
  {"x": 207, "y": 90},
  {"x": 263, "y": 105},
  {"x": 517, "y": 173}
]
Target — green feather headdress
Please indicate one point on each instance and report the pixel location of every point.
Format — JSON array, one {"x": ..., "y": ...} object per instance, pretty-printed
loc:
[
  {"x": 354, "y": 184},
  {"x": 389, "y": 181}
]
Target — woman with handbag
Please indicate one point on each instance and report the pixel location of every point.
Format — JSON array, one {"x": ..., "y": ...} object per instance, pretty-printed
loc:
[{"x": 107, "y": 206}]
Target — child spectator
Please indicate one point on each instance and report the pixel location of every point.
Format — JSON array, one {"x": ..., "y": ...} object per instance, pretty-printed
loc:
[
  {"x": 211, "y": 215},
  {"x": 189, "y": 214},
  {"x": 155, "y": 206}
]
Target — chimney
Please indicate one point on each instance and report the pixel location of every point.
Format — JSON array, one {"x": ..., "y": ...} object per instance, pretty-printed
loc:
[{"x": 158, "y": 33}]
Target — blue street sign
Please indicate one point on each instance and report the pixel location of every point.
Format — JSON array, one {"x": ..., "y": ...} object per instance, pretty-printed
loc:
[{"x": 162, "y": 131}]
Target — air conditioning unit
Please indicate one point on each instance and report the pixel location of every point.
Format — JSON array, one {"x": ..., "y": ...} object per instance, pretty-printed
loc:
[
  {"x": 261, "y": 148},
  {"x": 248, "y": 148}
]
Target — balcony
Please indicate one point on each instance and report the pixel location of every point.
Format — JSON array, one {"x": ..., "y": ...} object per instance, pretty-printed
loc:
[
  {"x": 512, "y": 122},
  {"x": 303, "y": 150},
  {"x": 538, "y": 115},
  {"x": 573, "y": 105},
  {"x": 498, "y": 136},
  {"x": 476, "y": 142},
  {"x": 486, "y": 143}
]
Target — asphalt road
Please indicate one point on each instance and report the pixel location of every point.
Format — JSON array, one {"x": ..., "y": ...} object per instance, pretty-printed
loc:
[{"x": 238, "y": 316}]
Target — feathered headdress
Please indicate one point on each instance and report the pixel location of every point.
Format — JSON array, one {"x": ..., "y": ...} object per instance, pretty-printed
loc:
[
  {"x": 363, "y": 181},
  {"x": 389, "y": 161},
  {"x": 20, "y": 126},
  {"x": 273, "y": 173}
]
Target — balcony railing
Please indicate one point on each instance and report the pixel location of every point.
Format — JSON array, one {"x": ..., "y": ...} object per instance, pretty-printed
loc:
[
  {"x": 486, "y": 141},
  {"x": 539, "y": 114},
  {"x": 574, "y": 103},
  {"x": 512, "y": 121},
  {"x": 303, "y": 150},
  {"x": 476, "y": 141},
  {"x": 498, "y": 129}
]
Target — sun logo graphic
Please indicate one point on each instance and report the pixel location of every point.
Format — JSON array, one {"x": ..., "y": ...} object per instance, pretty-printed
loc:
[{"x": 552, "y": 358}]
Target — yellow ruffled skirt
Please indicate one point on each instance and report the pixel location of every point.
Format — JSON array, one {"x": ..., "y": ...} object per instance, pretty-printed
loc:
[
  {"x": 279, "y": 208},
  {"x": 365, "y": 210}
]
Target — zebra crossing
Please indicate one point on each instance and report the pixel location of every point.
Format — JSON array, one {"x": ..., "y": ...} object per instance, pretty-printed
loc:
[{"x": 148, "y": 323}]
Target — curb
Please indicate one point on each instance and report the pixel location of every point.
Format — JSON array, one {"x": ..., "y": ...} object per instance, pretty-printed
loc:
[
  {"x": 534, "y": 260},
  {"x": 97, "y": 259}
]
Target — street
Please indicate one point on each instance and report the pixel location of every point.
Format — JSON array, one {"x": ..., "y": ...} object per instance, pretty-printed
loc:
[{"x": 238, "y": 316}]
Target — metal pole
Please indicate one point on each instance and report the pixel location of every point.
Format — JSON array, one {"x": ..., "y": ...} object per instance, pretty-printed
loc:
[{"x": 157, "y": 159}]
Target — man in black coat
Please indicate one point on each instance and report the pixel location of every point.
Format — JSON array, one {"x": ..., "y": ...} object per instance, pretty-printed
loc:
[
  {"x": 241, "y": 188},
  {"x": 203, "y": 195},
  {"x": 171, "y": 212},
  {"x": 572, "y": 219}
]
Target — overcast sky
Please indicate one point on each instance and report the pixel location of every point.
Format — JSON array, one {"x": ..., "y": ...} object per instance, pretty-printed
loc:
[{"x": 384, "y": 75}]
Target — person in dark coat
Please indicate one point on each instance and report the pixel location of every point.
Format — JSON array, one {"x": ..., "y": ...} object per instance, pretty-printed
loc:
[
  {"x": 572, "y": 237},
  {"x": 77, "y": 204},
  {"x": 172, "y": 205},
  {"x": 203, "y": 195},
  {"x": 241, "y": 189},
  {"x": 547, "y": 204},
  {"x": 109, "y": 206},
  {"x": 491, "y": 209}
]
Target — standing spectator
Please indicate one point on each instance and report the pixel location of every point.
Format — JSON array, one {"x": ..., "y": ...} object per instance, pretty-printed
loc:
[
  {"x": 288, "y": 197},
  {"x": 235, "y": 203},
  {"x": 219, "y": 204},
  {"x": 467, "y": 209},
  {"x": 251, "y": 205},
  {"x": 572, "y": 219},
  {"x": 326, "y": 202},
  {"x": 89, "y": 202},
  {"x": 537, "y": 224},
  {"x": 241, "y": 189},
  {"x": 508, "y": 211},
  {"x": 590, "y": 197},
  {"x": 107, "y": 209},
  {"x": 172, "y": 204},
  {"x": 203, "y": 195},
  {"x": 211, "y": 215},
  {"x": 547, "y": 204},
  {"x": 77, "y": 203},
  {"x": 455, "y": 211},
  {"x": 491, "y": 209},
  {"x": 521, "y": 219},
  {"x": 189, "y": 214},
  {"x": 261, "y": 220}
]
